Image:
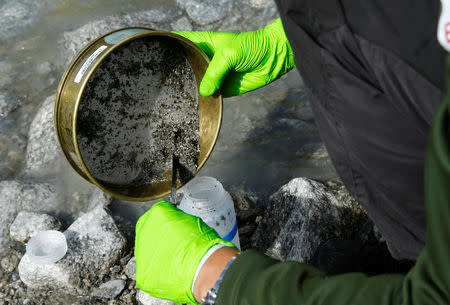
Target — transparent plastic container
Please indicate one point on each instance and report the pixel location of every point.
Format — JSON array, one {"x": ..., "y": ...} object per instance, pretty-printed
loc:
[
  {"x": 206, "y": 198},
  {"x": 47, "y": 247}
]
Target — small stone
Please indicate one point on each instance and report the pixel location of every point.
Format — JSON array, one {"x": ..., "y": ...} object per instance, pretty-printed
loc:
[
  {"x": 146, "y": 299},
  {"x": 110, "y": 289},
  {"x": 28, "y": 224},
  {"x": 9, "y": 263},
  {"x": 130, "y": 269}
]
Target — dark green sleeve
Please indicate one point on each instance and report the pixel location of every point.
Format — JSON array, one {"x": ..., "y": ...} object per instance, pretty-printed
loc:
[{"x": 257, "y": 279}]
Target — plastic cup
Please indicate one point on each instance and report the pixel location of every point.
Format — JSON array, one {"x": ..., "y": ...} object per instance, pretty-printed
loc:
[{"x": 47, "y": 247}]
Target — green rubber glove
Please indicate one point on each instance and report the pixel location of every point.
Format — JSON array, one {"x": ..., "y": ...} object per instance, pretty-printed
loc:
[
  {"x": 169, "y": 246},
  {"x": 241, "y": 62}
]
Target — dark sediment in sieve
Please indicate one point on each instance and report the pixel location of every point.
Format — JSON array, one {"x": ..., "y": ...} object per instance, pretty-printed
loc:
[{"x": 139, "y": 106}]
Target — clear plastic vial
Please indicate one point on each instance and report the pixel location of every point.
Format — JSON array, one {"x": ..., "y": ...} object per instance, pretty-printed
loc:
[{"x": 206, "y": 198}]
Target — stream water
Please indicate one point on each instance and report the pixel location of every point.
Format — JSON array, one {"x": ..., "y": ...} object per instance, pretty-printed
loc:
[{"x": 267, "y": 137}]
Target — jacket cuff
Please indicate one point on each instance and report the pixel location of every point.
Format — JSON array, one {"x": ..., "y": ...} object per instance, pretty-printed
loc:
[{"x": 238, "y": 276}]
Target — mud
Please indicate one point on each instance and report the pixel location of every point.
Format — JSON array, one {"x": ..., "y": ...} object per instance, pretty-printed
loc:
[{"x": 139, "y": 107}]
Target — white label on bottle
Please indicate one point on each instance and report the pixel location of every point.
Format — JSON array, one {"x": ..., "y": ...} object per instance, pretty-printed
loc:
[{"x": 87, "y": 63}]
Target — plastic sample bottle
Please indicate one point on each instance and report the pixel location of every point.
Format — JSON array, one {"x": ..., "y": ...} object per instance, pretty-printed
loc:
[
  {"x": 47, "y": 247},
  {"x": 206, "y": 198}
]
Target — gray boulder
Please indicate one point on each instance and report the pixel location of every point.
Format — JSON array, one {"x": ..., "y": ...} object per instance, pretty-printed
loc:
[
  {"x": 301, "y": 216},
  {"x": 73, "y": 41},
  {"x": 16, "y": 196},
  {"x": 28, "y": 224},
  {"x": 146, "y": 299},
  {"x": 110, "y": 289},
  {"x": 94, "y": 245},
  {"x": 206, "y": 11},
  {"x": 43, "y": 148}
]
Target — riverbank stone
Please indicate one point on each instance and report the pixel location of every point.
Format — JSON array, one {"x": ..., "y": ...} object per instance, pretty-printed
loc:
[
  {"x": 16, "y": 196},
  {"x": 110, "y": 289},
  {"x": 43, "y": 148},
  {"x": 300, "y": 217},
  {"x": 94, "y": 245},
  {"x": 130, "y": 269},
  {"x": 28, "y": 224}
]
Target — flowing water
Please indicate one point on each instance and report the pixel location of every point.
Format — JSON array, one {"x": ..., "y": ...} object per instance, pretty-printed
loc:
[{"x": 267, "y": 137}]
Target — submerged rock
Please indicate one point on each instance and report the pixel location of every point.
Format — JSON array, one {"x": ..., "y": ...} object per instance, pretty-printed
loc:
[
  {"x": 28, "y": 224},
  {"x": 17, "y": 196},
  {"x": 15, "y": 17},
  {"x": 146, "y": 299},
  {"x": 110, "y": 289},
  {"x": 75, "y": 40},
  {"x": 7, "y": 104},
  {"x": 206, "y": 11},
  {"x": 301, "y": 216},
  {"x": 43, "y": 148},
  {"x": 182, "y": 24},
  {"x": 94, "y": 244}
]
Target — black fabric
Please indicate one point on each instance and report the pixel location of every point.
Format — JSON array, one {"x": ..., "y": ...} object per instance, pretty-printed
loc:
[{"x": 373, "y": 100}]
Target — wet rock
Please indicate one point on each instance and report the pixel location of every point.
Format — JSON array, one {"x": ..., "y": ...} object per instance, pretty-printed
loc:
[
  {"x": 130, "y": 269},
  {"x": 301, "y": 216},
  {"x": 182, "y": 24},
  {"x": 206, "y": 11},
  {"x": 28, "y": 224},
  {"x": 94, "y": 245},
  {"x": 73, "y": 41},
  {"x": 146, "y": 299},
  {"x": 15, "y": 17},
  {"x": 110, "y": 289},
  {"x": 7, "y": 104},
  {"x": 43, "y": 148},
  {"x": 16, "y": 196}
]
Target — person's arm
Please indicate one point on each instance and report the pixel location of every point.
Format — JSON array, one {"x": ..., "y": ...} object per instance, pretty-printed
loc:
[
  {"x": 256, "y": 279},
  {"x": 171, "y": 244}
]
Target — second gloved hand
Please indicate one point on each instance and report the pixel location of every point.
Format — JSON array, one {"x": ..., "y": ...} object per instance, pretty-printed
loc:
[
  {"x": 241, "y": 62},
  {"x": 169, "y": 246}
]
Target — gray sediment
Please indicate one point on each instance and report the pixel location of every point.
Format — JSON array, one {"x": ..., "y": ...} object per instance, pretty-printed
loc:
[{"x": 139, "y": 107}]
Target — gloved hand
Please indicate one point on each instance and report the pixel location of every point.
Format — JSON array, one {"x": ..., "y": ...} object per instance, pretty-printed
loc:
[
  {"x": 242, "y": 62},
  {"x": 169, "y": 246}
]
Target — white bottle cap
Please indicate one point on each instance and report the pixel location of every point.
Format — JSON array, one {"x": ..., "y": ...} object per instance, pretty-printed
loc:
[
  {"x": 47, "y": 247},
  {"x": 205, "y": 192}
]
